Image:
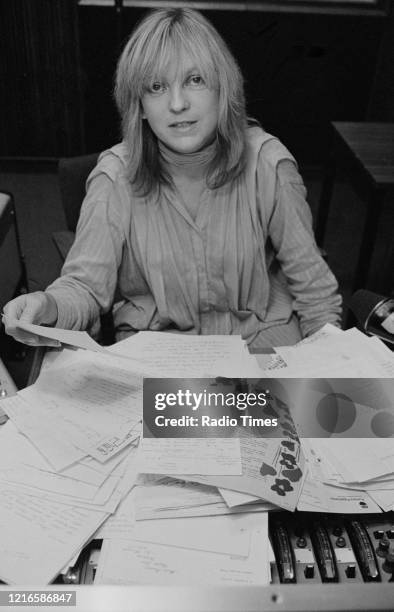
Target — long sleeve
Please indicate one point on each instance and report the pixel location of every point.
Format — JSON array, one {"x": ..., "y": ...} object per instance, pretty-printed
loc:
[
  {"x": 216, "y": 274},
  {"x": 88, "y": 279},
  {"x": 311, "y": 283}
]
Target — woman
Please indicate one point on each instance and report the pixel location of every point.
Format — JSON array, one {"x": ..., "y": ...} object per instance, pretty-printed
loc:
[{"x": 198, "y": 219}]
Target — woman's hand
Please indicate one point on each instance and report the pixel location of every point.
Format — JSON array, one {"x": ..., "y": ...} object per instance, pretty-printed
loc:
[{"x": 39, "y": 308}]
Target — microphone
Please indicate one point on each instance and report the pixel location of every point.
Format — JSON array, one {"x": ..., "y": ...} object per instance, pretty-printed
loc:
[{"x": 375, "y": 313}]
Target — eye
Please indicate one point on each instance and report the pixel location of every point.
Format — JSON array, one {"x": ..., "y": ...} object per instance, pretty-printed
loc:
[
  {"x": 156, "y": 87},
  {"x": 195, "y": 80}
]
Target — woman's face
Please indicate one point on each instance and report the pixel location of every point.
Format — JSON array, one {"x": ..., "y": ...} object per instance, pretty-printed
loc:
[{"x": 181, "y": 110}]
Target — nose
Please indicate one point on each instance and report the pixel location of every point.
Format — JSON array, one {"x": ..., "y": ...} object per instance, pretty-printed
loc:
[{"x": 178, "y": 99}]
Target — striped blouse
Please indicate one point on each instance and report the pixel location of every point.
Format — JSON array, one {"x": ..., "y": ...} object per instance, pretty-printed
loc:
[{"x": 247, "y": 264}]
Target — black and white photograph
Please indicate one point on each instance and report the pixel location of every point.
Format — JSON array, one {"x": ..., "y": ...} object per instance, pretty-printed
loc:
[{"x": 197, "y": 305}]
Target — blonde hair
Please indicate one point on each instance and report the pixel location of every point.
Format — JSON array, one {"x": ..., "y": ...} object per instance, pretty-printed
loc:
[{"x": 162, "y": 35}]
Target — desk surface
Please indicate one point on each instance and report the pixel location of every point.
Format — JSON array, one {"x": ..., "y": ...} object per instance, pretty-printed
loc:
[{"x": 372, "y": 144}]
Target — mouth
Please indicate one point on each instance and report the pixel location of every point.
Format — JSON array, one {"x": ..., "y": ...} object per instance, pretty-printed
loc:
[{"x": 182, "y": 125}]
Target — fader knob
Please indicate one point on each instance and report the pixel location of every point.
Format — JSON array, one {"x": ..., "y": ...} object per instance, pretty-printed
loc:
[
  {"x": 388, "y": 564},
  {"x": 350, "y": 571},
  {"x": 309, "y": 571},
  {"x": 384, "y": 545}
]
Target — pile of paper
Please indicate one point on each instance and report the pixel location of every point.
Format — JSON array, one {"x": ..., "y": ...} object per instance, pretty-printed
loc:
[
  {"x": 206, "y": 541},
  {"x": 140, "y": 546},
  {"x": 189, "y": 511},
  {"x": 349, "y": 475},
  {"x": 69, "y": 460},
  {"x": 350, "y": 470},
  {"x": 184, "y": 355},
  {"x": 336, "y": 354},
  {"x": 263, "y": 474},
  {"x": 46, "y": 516}
]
